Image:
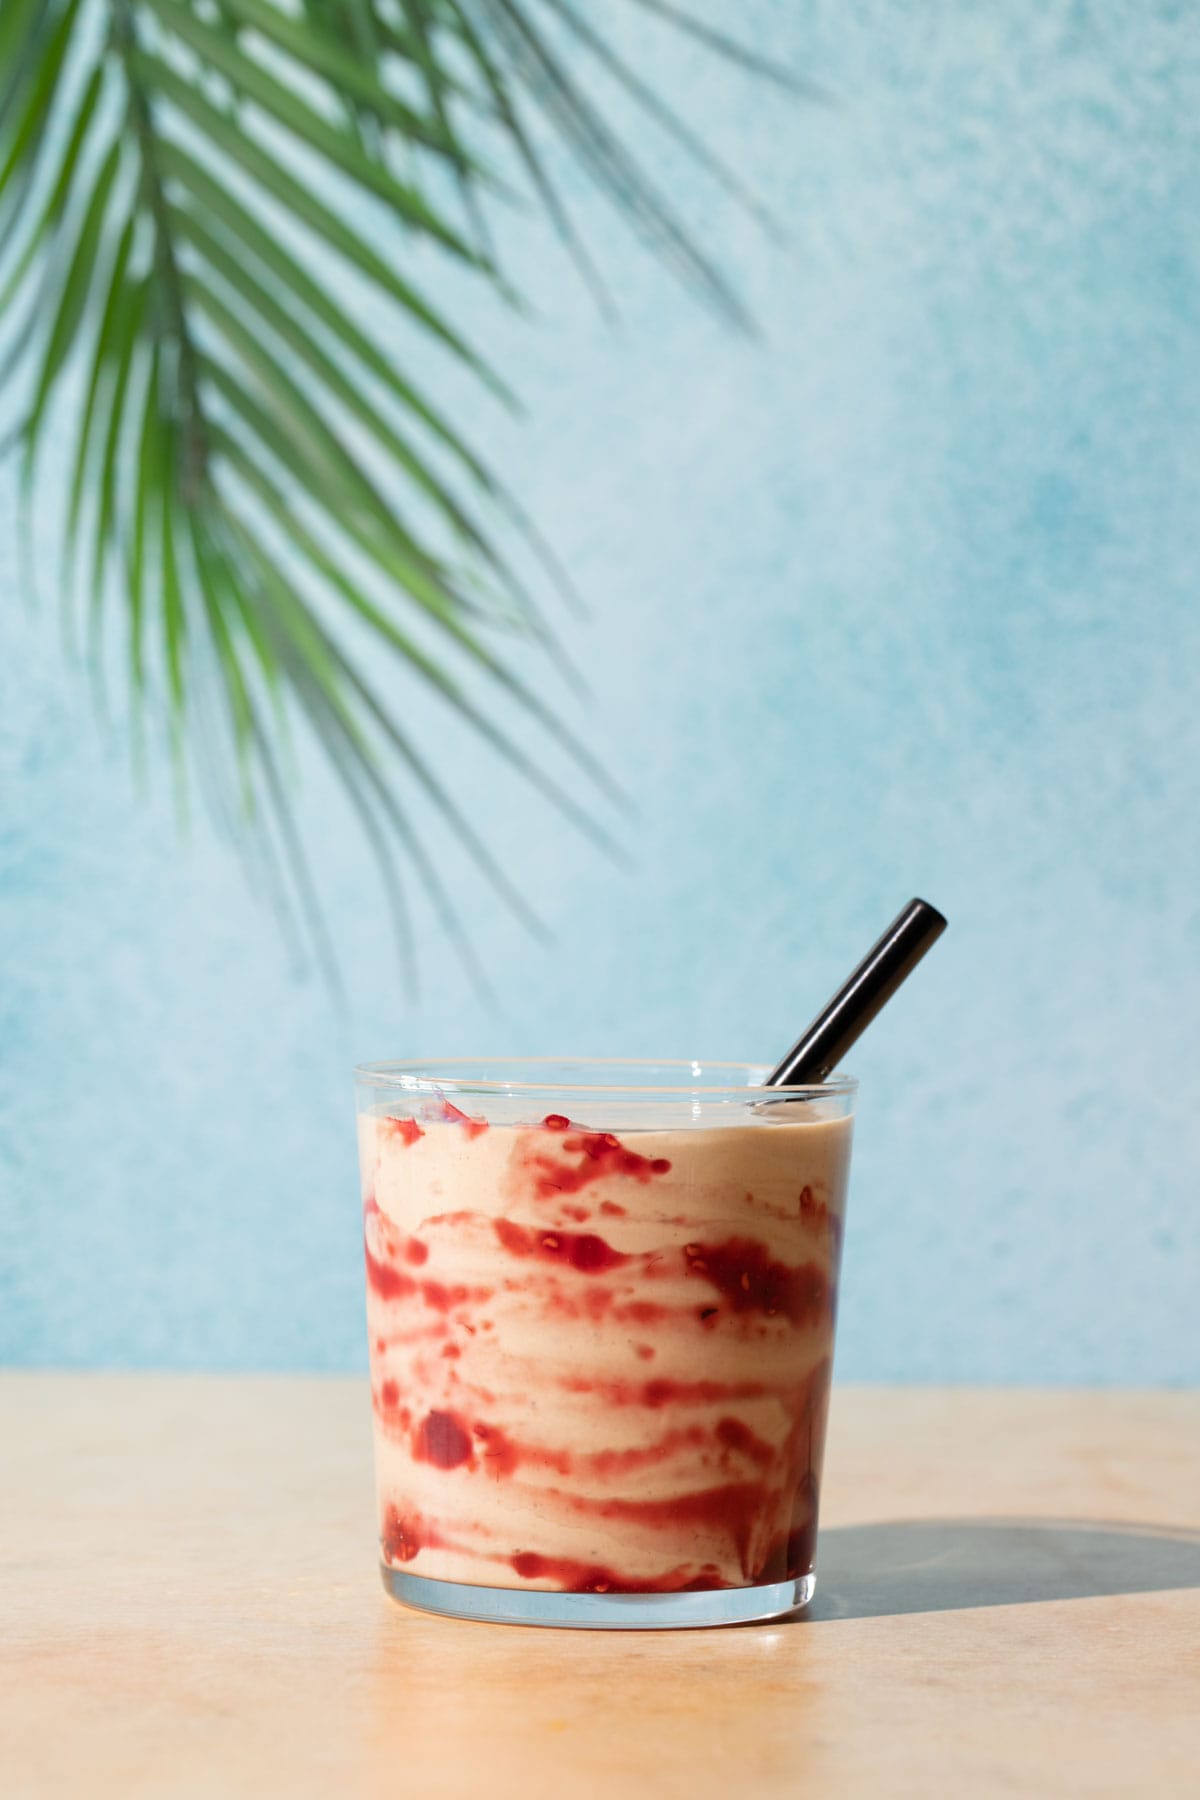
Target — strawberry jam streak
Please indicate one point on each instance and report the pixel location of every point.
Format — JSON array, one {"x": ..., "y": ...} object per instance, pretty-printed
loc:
[
  {"x": 602, "y": 1157},
  {"x": 404, "y": 1534},
  {"x": 580, "y": 1250},
  {"x": 391, "y": 1283},
  {"x": 441, "y": 1439},
  {"x": 407, "y": 1130},
  {"x": 750, "y": 1280},
  {"x": 594, "y": 1578}
]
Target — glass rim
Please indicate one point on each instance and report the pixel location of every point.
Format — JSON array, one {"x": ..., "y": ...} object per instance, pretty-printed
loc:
[{"x": 416, "y": 1074}]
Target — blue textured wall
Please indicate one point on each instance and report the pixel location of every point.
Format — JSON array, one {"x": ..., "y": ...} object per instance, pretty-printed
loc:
[{"x": 904, "y": 598}]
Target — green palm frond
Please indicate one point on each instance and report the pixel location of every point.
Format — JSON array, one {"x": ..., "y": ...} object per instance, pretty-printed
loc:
[{"x": 199, "y": 201}]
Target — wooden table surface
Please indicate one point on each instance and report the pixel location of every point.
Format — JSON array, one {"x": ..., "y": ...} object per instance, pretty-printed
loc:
[{"x": 1008, "y": 1603}]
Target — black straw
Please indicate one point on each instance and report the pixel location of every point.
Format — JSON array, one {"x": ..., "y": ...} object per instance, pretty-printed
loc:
[{"x": 822, "y": 1047}]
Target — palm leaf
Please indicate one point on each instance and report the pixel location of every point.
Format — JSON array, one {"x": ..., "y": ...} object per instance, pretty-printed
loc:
[
  {"x": 37, "y": 69},
  {"x": 655, "y": 108},
  {"x": 174, "y": 617},
  {"x": 52, "y": 211},
  {"x": 266, "y": 486},
  {"x": 216, "y": 54},
  {"x": 508, "y": 111},
  {"x": 73, "y": 296},
  {"x": 254, "y": 161},
  {"x": 127, "y": 331},
  {"x": 730, "y": 48},
  {"x": 354, "y": 77},
  {"x": 569, "y": 109},
  {"x": 106, "y": 351}
]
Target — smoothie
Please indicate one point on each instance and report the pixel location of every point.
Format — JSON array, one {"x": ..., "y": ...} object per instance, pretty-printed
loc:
[{"x": 600, "y": 1361}]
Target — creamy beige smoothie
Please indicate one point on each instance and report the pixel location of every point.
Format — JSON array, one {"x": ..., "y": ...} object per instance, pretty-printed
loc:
[{"x": 600, "y": 1362}]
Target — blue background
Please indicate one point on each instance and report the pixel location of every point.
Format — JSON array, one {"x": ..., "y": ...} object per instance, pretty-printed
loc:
[{"x": 901, "y": 598}]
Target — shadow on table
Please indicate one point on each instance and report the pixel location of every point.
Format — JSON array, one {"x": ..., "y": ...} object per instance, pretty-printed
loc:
[{"x": 939, "y": 1565}]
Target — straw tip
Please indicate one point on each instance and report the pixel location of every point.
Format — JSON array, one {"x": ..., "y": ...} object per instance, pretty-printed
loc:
[
  {"x": 932, "y": 911},
  {"x": 935, "y": 919}
]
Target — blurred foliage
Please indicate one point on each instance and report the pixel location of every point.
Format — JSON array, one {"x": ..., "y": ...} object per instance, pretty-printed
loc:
[{"x": 211, "y": 214}]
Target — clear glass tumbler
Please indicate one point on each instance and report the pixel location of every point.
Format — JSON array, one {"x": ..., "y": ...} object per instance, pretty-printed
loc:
[{"x": 600, "y": 1299}]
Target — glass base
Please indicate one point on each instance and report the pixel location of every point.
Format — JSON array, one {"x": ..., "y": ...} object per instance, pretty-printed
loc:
[{"x": 599, "y": 1612}]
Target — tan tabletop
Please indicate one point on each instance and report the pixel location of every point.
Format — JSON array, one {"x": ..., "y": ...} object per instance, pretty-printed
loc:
[{"x": 1009, "y": 1603}]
